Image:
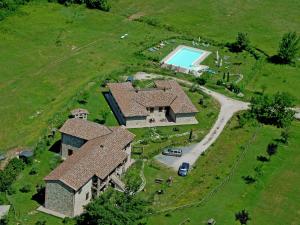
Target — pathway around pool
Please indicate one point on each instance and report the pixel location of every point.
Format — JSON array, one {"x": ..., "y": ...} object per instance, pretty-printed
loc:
[{"x": 229, "y": 107}]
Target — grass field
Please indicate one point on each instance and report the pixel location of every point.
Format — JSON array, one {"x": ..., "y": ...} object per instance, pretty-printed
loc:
[
  {"x": 49, "y": 53},
  {"x": 221, "y": 20},
  {"x": 273, "y": 199}
]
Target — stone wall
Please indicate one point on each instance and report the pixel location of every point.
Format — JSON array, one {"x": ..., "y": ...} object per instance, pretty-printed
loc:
[
  {"x": 185, "y": 118},
  {"x": 59, "y": 198},
  {"x": 80, "y": 197},
  {"x": 70, "y": 142},
  {"x": 136, "y": 121}
]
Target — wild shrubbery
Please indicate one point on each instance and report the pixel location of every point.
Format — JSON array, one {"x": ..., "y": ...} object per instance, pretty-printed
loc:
[
  {"x": 10, "y": 173},
  {"x": 9, "y": 6},
  {"x": 92, "y": 4}
]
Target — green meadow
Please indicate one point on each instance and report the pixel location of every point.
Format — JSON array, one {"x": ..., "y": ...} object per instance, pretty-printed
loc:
[{"x": 50, "y": 53}]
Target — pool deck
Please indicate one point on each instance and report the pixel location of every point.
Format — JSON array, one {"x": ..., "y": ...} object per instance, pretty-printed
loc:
[{"x": 195, "y": 63}]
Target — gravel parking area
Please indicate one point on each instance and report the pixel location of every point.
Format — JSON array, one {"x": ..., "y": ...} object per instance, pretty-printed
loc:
[{"x": 173, "y": 160}]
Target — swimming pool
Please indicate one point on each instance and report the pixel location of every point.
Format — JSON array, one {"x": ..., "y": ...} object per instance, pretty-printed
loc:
[{"x": 185, "y": 57}]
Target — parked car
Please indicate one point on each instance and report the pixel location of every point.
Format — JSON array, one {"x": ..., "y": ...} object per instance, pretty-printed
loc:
[
  {"x": 184, "y": 169},
  {"x": 172, "y": 152}
]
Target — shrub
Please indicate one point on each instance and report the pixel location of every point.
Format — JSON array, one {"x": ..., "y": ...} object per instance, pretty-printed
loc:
[
  {"x": 234, "y": 88},
  {"x": 220, "y": 82},
  {"x": 10, "y": 173},
  {"x": 98, "y": 4},
  {"x": 249, "y": 179},
  {"x": 33, "y": 171},
  {"x": 26, "y": 188},
  {"x": 193, "y": 88},
  {"x": 175, "y": 129},
  {"x": 201, "y": 80},
  {"x": 272, "y": 149},
  {"x": 83, "y": 97},
  {"x": 242, "y": 216},
  {"x": 40, "y": 222}
]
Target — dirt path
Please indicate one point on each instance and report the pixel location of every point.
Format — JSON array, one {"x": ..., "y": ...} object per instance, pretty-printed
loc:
[{"x": 229, "y": 107}]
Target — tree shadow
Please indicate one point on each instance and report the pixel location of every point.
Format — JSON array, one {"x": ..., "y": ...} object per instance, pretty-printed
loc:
[
  {"x": 262, "y": 158},
  {"x": 275, "y": 59},
  {"x": 232, "y": 47},
  {"x": 55, "y": 147}
]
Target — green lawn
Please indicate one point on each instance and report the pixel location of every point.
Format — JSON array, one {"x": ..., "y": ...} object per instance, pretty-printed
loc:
[
  {"x": 49, "y": 52},
  {"x": 273, "y": 199},
  {"x": 265, "y": 21}
]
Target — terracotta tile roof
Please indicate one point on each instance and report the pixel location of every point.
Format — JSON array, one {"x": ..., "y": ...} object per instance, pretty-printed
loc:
[
  {"x": 182, "y": 104},
  {"x": 133, "y": 102},
  {"x": 99, "y": 156},
  {"x": 84, "y": 129}
]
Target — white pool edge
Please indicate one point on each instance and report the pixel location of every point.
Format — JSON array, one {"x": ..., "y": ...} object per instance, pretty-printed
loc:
[{"x": 198, "y": 61}]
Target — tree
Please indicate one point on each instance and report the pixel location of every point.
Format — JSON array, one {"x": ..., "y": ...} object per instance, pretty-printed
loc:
[
  {"x": 273, "y": 109},
  {"x": 272, "y": 149},
  {"x": 242, "y": 216},
  {"x": 242, "y": 42},
  {"x": 113, "y": 208},
  {"x": 98, "y": 4},
  {"x": 288, "y": 47}
]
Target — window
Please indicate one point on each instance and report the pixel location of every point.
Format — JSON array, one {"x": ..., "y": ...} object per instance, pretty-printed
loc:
[
  {"x": 151, "y": 110},
  {"x": 70, "y": 152},
  {"x": 160, "y": 109},
  {"x": 87, "y": 196}
]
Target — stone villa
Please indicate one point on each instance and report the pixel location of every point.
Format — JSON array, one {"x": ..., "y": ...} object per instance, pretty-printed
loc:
[
  {"x": 95, "y": 157},
  {"x": 166, "y": 104}
]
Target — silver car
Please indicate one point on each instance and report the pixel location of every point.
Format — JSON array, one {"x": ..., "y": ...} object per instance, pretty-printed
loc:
[{"x": 172, "y": 152}]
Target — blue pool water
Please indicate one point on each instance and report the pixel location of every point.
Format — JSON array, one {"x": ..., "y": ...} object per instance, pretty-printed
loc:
[{"x": 185, "y": 57}]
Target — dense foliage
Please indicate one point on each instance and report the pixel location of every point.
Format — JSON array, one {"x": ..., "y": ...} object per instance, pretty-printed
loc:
[
  {"x": 113, "y": 208},
  {"x": 10, "y": 173},
  {"x": 273, "y": 109},
  {"x": 8, "y": 6},
  {"x": 92, "y": 4},
  {"x": 289, "y": 47}
]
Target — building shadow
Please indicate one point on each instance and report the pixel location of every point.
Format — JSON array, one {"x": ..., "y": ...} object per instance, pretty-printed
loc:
[
  {"x": 55, "y": 147},
  {"x": 39, "y": 197}
]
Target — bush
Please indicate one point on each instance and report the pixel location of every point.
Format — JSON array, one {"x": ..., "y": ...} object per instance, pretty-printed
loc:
[
  {"x": 10, "y": 173},
  {"x": 40, "y": 222},
  {"x": 83, "y": 97},
  {"x": 220, "y": 82},
  {"x": 33, "y": 171},
  {"x": 98, "y": 4},
  {"x": 26, "y": 188},
  {"x": 234, "y": 88},
  {"x": 193, "y": 88},
  {"x": 201, "y": 80}
]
